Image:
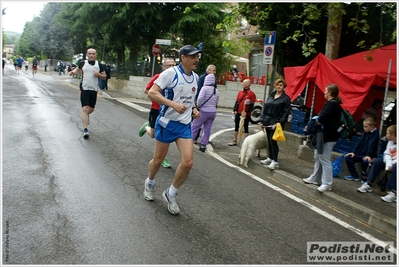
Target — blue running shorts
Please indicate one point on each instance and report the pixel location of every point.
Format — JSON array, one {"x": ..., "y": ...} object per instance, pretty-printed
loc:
[{"x": 172, "y": 131}]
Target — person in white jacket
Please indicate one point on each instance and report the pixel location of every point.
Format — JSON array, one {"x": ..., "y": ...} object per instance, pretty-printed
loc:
[{"x": 388, "y": 164}]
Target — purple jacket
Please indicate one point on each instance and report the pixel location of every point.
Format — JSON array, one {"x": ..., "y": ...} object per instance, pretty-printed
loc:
[{"x": 208, "y": 91}]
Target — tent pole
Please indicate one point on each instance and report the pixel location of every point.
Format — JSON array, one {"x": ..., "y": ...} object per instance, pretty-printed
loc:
[
  {"x": 313, "y": 99},
  {"x": 306, "y": 93},
  {"x": 386, "y": 95}
]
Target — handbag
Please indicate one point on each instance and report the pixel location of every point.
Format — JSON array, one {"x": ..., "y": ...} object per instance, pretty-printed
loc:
[
  {"x": 336, "y": 165},
  {"x": 238, "y": 103},
  {"x": 278, "y": 134},
  {"x": 214, "y": 92}
]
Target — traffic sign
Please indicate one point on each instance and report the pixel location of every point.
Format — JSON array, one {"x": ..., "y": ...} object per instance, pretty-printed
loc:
[
  {"x": 270, "y": 38},
  {"x": 156, "y": 50},
  {"x": 268, "y": 51},
  {"x": 163, "y": 41},
  {"x": 268, "y": 54}
]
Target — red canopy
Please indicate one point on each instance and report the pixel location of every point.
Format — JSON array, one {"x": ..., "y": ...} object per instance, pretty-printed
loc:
[
  {"x": 378, "y": 65},
  {"x": 321, "y": 72}
]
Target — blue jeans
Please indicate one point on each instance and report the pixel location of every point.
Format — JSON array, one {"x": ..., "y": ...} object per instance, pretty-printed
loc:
[
  {"x": 378, "y": 166},
  {"x": 101, "y": 84},
  {"x": 392, "y": 179},
  {"x": 350, "y": 163}
]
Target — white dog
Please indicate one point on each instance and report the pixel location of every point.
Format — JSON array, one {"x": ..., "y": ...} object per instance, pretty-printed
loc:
[{"x": 249, "y": 145}]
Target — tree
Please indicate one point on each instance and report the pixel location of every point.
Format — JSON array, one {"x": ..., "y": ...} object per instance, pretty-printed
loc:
[{"x": 302, "y": 27}]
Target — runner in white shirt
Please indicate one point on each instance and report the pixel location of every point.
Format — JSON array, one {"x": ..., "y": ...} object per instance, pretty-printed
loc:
[
  {"x": 91, "y": 72},
  {"x": 178, "y": 86}
]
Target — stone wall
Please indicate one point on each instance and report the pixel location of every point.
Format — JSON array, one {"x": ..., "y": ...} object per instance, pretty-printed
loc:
[{"x": 228, "y": 93}]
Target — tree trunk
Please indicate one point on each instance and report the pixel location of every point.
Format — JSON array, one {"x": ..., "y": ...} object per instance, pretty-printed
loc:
[{"x": 334, "y": 28}]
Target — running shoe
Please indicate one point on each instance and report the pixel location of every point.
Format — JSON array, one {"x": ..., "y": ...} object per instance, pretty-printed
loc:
[
  {"x": 324, "y": 188},
  {"x": 165, "y": 163},
  {"x": 171, "y": 200},
  {"x": 142, "y": 130},
  {"x": 391, "y": 197},
  {"x": 148, "y": 191},
  {"x": 85, "y": 133},
  {"x": 365, "y": 188},
  {"x": 266, "y": 161},
  {"x": 273, "y": 165}
]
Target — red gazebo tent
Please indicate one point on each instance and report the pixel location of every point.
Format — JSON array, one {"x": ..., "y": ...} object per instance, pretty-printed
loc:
[{"x": 360, "y": 81}]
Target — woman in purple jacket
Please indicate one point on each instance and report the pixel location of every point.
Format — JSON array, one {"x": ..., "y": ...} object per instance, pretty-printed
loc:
[{"x": 207, "y": 102}]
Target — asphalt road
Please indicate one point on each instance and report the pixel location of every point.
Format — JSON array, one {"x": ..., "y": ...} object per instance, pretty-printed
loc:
[{"x": 67, "y": 200}]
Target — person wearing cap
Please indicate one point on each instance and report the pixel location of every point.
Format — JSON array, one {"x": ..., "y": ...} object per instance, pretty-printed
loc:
[{"x": 175, "y": 91}]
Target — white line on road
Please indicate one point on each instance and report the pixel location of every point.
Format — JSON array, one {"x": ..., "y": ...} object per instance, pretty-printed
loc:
[{"x": 296, "y": 199}]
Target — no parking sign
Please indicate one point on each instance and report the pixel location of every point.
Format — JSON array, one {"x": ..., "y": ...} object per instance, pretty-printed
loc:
[{"x": 268, "y": 52}]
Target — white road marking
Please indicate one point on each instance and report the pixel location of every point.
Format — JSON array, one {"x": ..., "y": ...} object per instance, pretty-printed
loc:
[{"x": 296, "y": 199}]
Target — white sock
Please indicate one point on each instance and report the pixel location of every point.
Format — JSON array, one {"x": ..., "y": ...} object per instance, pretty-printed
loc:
[
  {"x": 173, "y": 191},
  {"x": 150, "y": 182}
]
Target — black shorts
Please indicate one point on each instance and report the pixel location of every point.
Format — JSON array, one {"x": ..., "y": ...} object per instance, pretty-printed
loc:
[
  {"x": 152, "y": 118},
  {"x": 88, "y": 98}
]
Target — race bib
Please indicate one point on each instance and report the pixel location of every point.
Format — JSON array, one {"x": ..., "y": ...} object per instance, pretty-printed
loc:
[{"x": 163, "y": 122}]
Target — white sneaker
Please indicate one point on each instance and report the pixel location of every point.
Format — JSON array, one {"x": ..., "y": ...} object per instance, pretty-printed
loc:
[
  {"x": 391, "y": 197},
  {"x": 273, "y": 165},
  {"x": 310, "y": 181},
  {"x": 171, "y": 200},
  {"x": 266, "y": 161},
  {"x": 148, "y": 191},
  {"x": 324, "y": 188},
  {"x": 365, "y": 188}
]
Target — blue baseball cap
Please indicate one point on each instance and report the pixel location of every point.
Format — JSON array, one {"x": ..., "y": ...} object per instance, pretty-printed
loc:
[{"x": 188, "y": 50}]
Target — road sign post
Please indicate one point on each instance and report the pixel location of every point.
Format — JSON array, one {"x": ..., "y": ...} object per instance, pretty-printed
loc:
[
  {"x": 155, "y": 51},
  {"x": 268, "y": 52}
]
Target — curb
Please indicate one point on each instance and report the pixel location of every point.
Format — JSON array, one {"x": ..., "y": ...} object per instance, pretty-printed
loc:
[{"x": 372, "y": 218}]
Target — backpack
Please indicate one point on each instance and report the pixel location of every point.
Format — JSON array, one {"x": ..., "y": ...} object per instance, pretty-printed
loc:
[{"x": 346, "y": 125}]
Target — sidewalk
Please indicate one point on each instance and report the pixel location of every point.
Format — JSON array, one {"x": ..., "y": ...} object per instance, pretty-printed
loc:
[{"x": 366, "y": 207}]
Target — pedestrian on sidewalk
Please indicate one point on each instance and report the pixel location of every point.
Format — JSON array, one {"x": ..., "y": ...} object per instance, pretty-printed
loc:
[
  {"x": 275, "y": 110},
  {"x": 207, "y": 102},
  {"x": 178, "y": 86},
  {"x": 101, "y": 82},
  {"x": 329, "y": 119},
  {"x": 211, "y": 69},
  {"x": 92, "y": 70},
  {"x": 244, "y": 102},
  {"x": 108, "y": 73},
  {"x": 387, "y": 164},
  {"x": 148, "y": 127},
  {"x": 365, "y": 151}
]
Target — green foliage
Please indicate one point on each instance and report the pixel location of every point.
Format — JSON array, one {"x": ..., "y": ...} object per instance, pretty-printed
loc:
[
  {"x": 301, "y": 27},
  {"x": 10, "y": 37}
]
